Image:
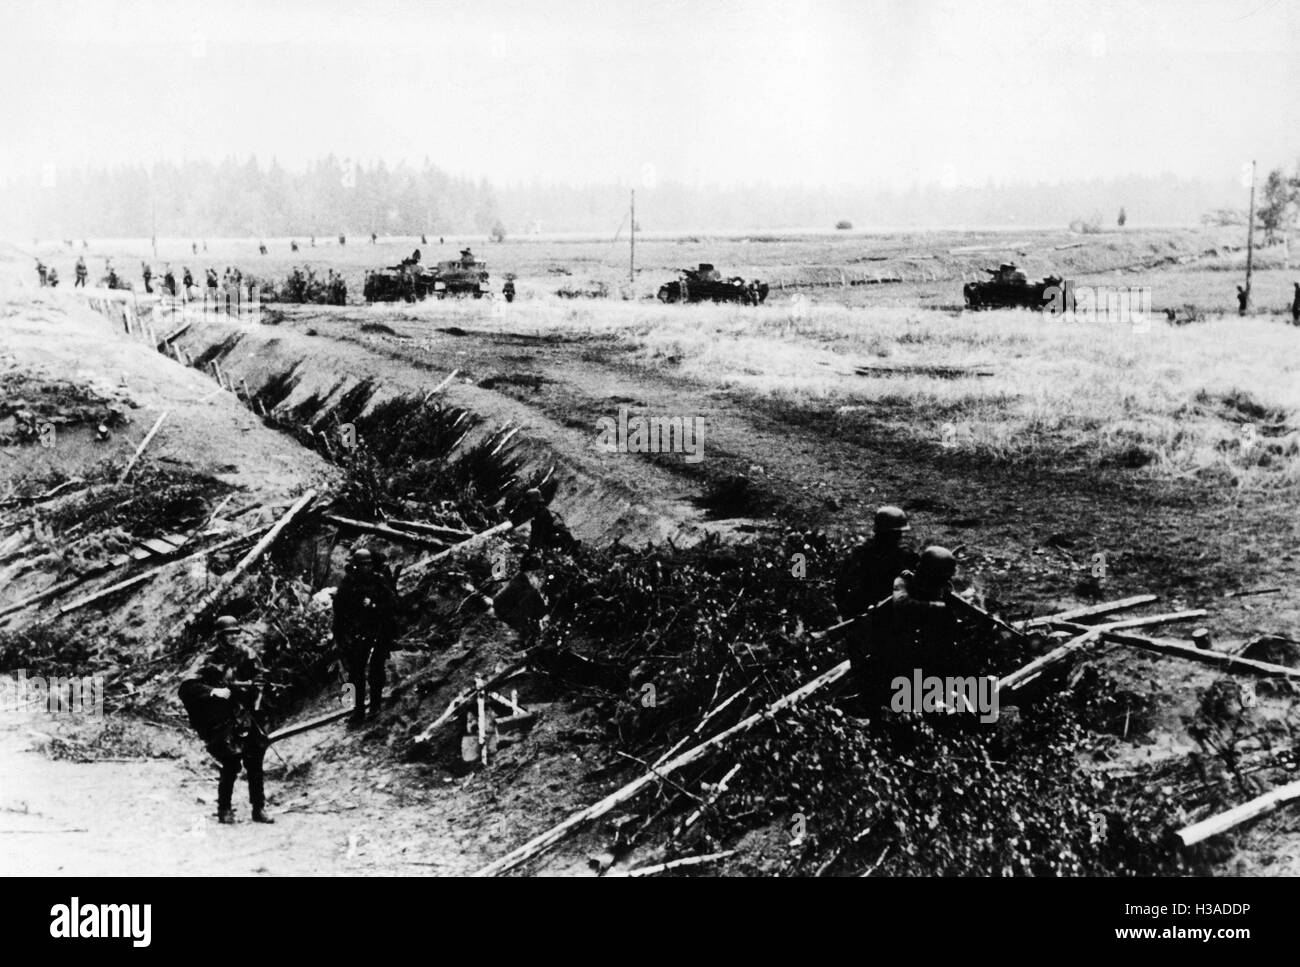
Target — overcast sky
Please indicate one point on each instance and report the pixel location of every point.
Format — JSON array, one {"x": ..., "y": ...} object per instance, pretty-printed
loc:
[{"x": 808, "y": 92}]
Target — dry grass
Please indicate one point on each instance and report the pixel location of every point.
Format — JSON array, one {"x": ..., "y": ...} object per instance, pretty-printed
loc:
[{"x": 1174, "y": 400}]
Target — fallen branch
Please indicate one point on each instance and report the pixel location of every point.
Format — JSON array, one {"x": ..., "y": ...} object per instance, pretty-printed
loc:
[
  {"x": 234, "y": 574},
  {"x": 541, "y": 843},
  {"x": 1022, "y": 676},
  {"x": 433, "y": 530},
  {"x": 307, "y": 726},
  {"x": 384, "y": 531},
  {"x": 677, "y": 864},
  {"x": 1250, "y": 594},
  {"x": 420, "y": 566},
  {"x": 141, "y": 448},
  {"x": 713, "y": 797},
  {"x": 1229, "y": 663},
  {"x": 1214, "y": 825},
  {"x": 1155, "y": 619},
  {"x": 1097, "y": 609}
]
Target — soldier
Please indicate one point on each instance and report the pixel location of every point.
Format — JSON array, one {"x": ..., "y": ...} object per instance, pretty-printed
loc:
[
  {"x": 80, "y": 272},
  {"x": 913, "y": 629},
  {"x": 211, "y": 276},
  {"x": 547, "y": 532},
  {"x": 373, "y": 238},
  {"x": 222, "y": 706},
  {"x": 870, "y": 570},
  {"x": 1295, "y": 306},
  {"x": 364, "y": 606},
  {"x": 343, "y": 239},
  {"x": 169, "y": 280},
  {"x": 42, "y": 273},
  {"x": 508, "y": 290},
  {"x": 1242, "y": 299},
  {"x": 147, "y": 272},
  {"x": 112, "y": 277},
  {"x": 187, "y": 281},
  {"x": 261, "y": 248},
  {"x": 54, "y": 277},
  {"x": 293, "y": 245},
  {"x": 423, "y": 240}
]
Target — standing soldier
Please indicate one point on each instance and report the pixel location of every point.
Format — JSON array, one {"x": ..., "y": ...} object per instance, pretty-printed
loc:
[
  {"x": 1242, "y": 299},
  {"x": 1295, "y": 306},
  {"x": 187, "y": 282},
  {"x": 373, "y": 238},
  {"x": 169, "y": 280},
  {"x": 42, "y": 273},
  {"x": 53, "y": 277},
  {"x": 80, "y": 272},
  {"x": 871, "y": 568},
  {"x": 147, "y": 272},
  {"x": 364, "y": 606},
  {"x": 508, "y": 290},
  {"x": 293, "y": 245},
  {"x": 222, "y": 703}
]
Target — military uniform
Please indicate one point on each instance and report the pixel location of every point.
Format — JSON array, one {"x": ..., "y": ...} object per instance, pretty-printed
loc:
[
  {"x": 365, "y": 607},
  {"x": 227, "y": 725},
  {"x": 868, "y": 574},
  {"x": 80, "y": 273}
]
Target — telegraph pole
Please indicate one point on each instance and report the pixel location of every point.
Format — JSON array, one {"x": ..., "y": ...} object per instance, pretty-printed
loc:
[
  {"x": 631, "y": 260},
  {"x": 1250, "y": 236}
]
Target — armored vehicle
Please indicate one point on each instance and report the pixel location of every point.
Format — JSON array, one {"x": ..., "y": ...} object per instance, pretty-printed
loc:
[
  {"x": 460, "y": 277},
  {"x": 706, "y": 284},
  {"x": 1009, "y": 289}
]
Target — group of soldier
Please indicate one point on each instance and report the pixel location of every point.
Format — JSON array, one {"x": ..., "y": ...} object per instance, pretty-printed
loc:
[
  {"x": 898, "y": 604},
  {"x": 306, "y": 287}
]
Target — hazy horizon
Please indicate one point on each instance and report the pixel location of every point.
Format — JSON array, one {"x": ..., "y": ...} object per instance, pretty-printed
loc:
[{"x": 816, "y": 94}]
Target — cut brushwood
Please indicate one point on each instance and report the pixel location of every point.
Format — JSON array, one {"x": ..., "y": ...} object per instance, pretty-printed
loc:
[
  {"x": 539, "y": 844},
  {"x": 421, "y": 566},
  {"x": 1214, "y": 825}
]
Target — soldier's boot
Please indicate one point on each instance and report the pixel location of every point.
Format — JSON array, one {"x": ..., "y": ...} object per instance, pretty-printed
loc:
[
  {"x": 226, "y": 816},
  {"x": 260, "y": 816}
]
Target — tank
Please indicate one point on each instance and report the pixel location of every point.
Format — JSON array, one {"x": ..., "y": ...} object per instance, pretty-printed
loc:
[
  {"x": 461, "y": 277},
  {"x": 399, "y": 283},
  {"x": 705, "y": 284},
  {"x": 1007, "y": 288}
]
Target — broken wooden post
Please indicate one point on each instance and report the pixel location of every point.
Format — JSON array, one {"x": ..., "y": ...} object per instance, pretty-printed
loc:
[
  {"x": 228, "y": 579},
  {"x": 462, "y": 700},
  {"x": 1190, "y": 835},
  {"x": 141, "y": 448},
  {"x": 541, "y": 843}
]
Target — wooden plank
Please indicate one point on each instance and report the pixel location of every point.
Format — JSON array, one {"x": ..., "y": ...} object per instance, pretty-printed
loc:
[
  {"x": 175, "y": 540},
  {"x": 159, "y": 546},
  {"x": 1025, "y": 674},
  {"x": 1091, "y": 611},
  {"x": 1214, "y": 825},
  {"x": 539, "y": 844},
  {"x": 138, "y": 554}
]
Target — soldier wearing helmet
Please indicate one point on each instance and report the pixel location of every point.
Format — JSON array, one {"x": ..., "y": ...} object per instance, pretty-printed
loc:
[
  {"x": 914, "y": 629},
  {"x": 364, "y": 623},
  {"x": 547, "y": 532},
  {"x": 222, "y": 703},
  {"x": 868, "y": 574}
]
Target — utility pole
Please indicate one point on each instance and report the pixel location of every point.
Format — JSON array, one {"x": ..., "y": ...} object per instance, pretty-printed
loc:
[
  {"x": 631, "y": 261},
  {"x": 1250, "y": 236}
]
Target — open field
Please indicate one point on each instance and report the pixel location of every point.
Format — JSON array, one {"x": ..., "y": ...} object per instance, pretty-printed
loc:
[{"x": 1030, "y": 442}]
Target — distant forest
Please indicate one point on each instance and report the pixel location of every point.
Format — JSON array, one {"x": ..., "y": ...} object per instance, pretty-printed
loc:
[{"x": 247, "y": 198}]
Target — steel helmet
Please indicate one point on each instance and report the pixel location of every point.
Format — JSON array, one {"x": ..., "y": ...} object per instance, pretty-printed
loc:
[
  {"x": 361, "y": 556},
  {"x": 226, "y": 625},
  {"x": 891, "y": 519},
  {"x": 936, "y": 567}
]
